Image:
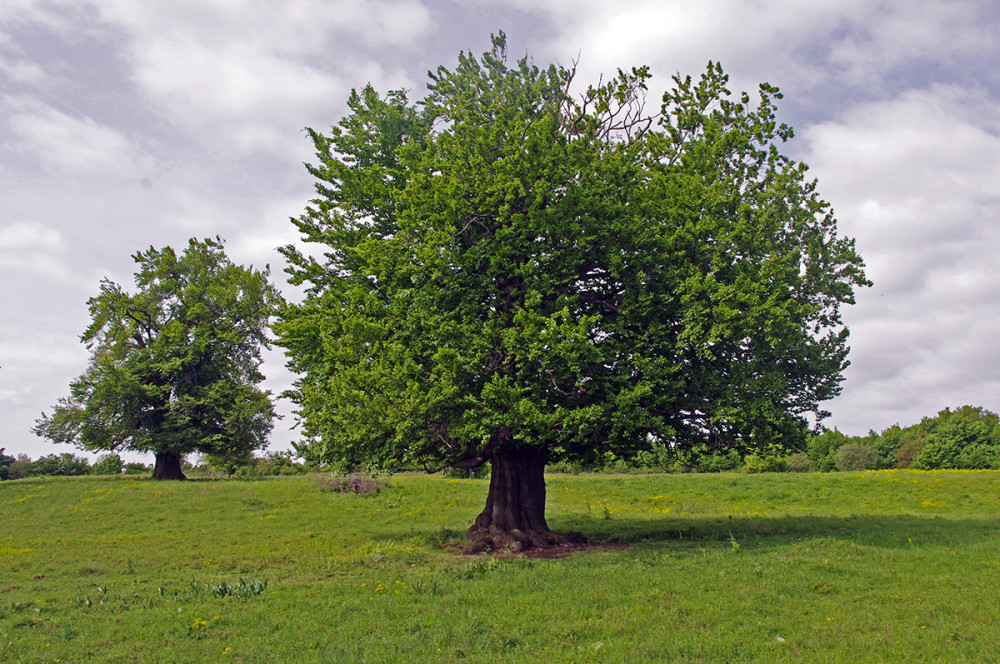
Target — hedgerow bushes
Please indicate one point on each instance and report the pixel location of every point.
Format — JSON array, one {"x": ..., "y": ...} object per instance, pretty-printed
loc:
[{"x": 965, "y": 438}]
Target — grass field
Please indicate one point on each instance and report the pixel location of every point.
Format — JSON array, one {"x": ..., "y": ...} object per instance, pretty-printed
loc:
[{"x": 891, "y": 566}]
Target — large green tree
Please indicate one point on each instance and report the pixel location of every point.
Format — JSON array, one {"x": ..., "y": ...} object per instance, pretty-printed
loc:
[
  {"x": 514, "y": 273},
  {"x": 174, "y": 367}
]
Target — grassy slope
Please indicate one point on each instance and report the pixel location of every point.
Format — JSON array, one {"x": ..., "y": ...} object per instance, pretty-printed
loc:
[{"x": 886, "y": 566}]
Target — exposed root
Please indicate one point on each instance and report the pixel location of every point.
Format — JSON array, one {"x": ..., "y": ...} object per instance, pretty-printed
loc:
[{"x": 484, "y": 540}]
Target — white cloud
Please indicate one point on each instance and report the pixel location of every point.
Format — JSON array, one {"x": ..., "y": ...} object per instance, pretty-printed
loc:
[
  {"x": 31, "y": 248},
  {"x": 676, "y": 32},
  {"x": 28, "y": 234},
  {"x": 301, "y": 27},
  {"x": 250, "y": 73},
  {"x": 243, "y": 92},
  {"x": 37, "y": 368},
  {"x": 21, "y": 264},
  {"x": 55, "y": 15},
  {"x": 21, "y": 71},
  {"x": 914, "y": 180},
  {"x": 271, "y": 229},
  {"x": 77, "y": 145},
  {"x": 919, "y": 170},
  {"x": 810, "y": 46},
  {"x": 246, "y": 74},
  {"x": 48, "y": 350}
]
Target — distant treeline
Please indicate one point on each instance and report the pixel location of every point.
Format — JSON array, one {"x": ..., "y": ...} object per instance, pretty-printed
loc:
[
  {"x": 965, "y": 438},
  {"x": 12, "y": 468}
]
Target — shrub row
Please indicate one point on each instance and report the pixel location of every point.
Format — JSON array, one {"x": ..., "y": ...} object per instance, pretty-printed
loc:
[
  {"x": 965, "y": 438},
  {"x": 12, "y": 468}
]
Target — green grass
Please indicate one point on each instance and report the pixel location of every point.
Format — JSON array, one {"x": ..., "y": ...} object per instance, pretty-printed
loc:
[{"x": 854, "y": 567}]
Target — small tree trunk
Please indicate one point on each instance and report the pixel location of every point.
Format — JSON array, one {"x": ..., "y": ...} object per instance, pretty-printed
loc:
[
  {"x": 168, "y": 467},
  {"x": 514, "y": 516}
]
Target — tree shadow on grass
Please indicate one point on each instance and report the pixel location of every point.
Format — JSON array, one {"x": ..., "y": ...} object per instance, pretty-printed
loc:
[
  {"x": 880, "y": 530},
  {"x": 886, "y": 531}
]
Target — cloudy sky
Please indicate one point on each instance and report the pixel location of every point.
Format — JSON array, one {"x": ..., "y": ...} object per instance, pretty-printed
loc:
[{"x": 130, "y": 123}]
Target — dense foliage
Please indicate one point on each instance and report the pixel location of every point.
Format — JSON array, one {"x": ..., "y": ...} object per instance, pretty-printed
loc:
[
  {"x": 108, "y": 464},
  {"x": 5, "y": 463},
  {"x": 514, "y": 274},
  {"x": 964, "y": 438},
  {"x": 21, "y": 466},
  {"x": 174, "y": 367},
  {"x": 269, "y": 464}
]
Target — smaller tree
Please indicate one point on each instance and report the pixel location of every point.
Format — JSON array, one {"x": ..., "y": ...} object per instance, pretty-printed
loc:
[
  {"x": 174, "y": 367},
  {"x": 21, "y": 467},
  {"x": 896, "y": 446},
  {"x": 856, "y": 456},
  {"x": 822, "y": 449},
  {"x": 5, "y": 463},
  {"x": 109, "y": 464},
  {"x": 229, "y": 461},
  {"x": 281, "y": 463}
]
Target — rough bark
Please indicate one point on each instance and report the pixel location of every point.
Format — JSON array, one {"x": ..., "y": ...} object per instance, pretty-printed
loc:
[
  {"x": 514, "y": 517},
  {"x": 168, "y": 467}
]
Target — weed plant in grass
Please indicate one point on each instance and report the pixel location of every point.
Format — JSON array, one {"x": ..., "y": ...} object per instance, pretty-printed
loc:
[{"x": 877, "y": 566}]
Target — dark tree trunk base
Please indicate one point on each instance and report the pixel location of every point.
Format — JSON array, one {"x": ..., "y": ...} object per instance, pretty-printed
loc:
[
  {"x": 168, "y": 467},
  {"x": 514, "y": 517},
  {"x": 516, "y": 541}
]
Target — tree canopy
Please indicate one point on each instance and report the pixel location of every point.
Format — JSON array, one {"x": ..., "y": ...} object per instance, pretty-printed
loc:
[
  {"x": 174, "y": 367},
  {"x": 515, "y": 273}
]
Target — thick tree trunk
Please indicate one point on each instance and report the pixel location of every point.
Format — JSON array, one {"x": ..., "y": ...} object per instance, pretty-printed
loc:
[
  {"x": 168, "y": 467},
  {"x": 514, "y": 517}
]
